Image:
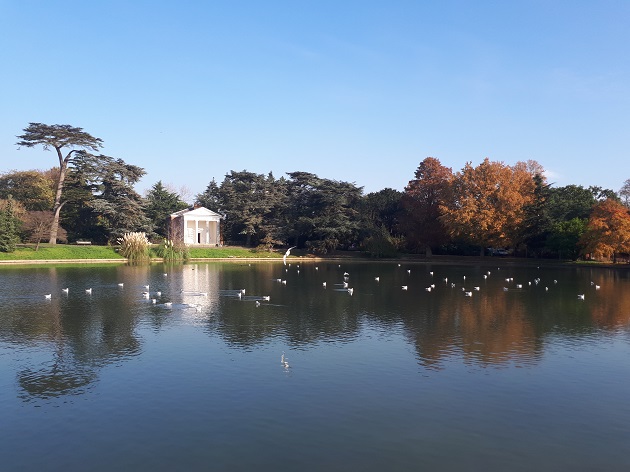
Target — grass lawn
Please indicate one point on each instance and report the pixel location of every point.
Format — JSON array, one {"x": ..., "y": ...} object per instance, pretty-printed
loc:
[
  {"x": 60, "y": 251},
  {"x": 69, "y": 251},
  {"x": 229, "y": 252}
]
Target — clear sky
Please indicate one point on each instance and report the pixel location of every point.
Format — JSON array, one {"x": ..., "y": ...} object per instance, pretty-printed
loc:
[{"x": 360, "y": 91}]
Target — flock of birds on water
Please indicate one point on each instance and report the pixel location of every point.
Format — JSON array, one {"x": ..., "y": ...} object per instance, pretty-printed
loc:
[{"x": 343, "y": 286}]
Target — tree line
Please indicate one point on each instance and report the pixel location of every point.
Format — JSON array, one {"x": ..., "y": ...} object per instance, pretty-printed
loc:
[{"x": 489, "y": 207}]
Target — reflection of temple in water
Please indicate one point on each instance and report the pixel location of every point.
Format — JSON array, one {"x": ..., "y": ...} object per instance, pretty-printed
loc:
[{"x": 199, "y": 288}]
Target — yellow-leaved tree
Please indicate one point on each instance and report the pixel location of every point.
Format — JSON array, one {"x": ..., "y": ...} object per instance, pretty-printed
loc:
[
  {"x": 608, "y": 230},
  {"x": 486, "y": 205}
]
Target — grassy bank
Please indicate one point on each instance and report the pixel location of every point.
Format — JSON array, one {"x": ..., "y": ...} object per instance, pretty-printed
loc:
[
  {"x": 64, "y": 252},
  {"x": 60, "y": 252},
  {"x": 231, "y": 252}
]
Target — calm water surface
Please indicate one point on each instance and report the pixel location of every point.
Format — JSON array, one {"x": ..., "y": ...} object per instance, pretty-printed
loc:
[{"x": 529, "y": 378}]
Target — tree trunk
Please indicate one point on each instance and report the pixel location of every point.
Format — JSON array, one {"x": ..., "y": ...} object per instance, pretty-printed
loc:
[{"x": 54, "y": 227}]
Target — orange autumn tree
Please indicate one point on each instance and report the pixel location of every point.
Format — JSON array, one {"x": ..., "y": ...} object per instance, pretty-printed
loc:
[
  {"x": 421, "y": 202},
  {"x": 608, "y": 230},
  {"x": 487, "y": 203}
]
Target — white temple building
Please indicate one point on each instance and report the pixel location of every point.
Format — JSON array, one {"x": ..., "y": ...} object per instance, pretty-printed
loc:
[{"x": 196, "y": 227}]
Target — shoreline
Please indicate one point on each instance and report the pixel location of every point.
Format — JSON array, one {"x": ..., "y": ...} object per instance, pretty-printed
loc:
[{"x": 439, "y": 260}]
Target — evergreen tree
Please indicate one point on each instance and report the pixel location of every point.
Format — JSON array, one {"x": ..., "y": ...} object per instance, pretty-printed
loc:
[
  {"x": 322, "y": 214},
  {"x": 160, "y": 203},
  {"x": 9, "y": 227},
  {"x": 119, "y": 207},
  {"x": 537, "y": 223},
  {"x": 60, "y": 138}
]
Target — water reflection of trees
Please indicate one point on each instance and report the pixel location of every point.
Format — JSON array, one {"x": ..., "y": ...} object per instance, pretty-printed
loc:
[
  {"x": 300, "y": 315},
  {"x": 78, "y": 335},
  {"x": 486, "y": 329},
  {"x": 491, "y": 328},
  {"x": 75, "y": 337},
  {"x": 498, "y": 328}
]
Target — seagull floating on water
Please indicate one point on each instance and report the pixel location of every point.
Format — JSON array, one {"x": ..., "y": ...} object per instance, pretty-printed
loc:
[
  {"x": 65, "y": 290},
  {"x": 88, "y": 291},
  {"x": 48, "y": 296},
  {"x": 581, "y": 296},
  {"x": 404, "y": 287}
]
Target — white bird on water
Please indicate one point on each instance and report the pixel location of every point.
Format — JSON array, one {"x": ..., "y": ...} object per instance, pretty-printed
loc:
[
  {"x": 404, "y": 287},
  {"x": 581, "y": 296},
  {"x": 65, "y": 290},
  {"x": 324, "y": 284},
  {"x": 350, "y": 291},
  {"x": 88, "y": 291},
  {"x": 286, "y": 254},
  {"x": 48, "y": 296}
]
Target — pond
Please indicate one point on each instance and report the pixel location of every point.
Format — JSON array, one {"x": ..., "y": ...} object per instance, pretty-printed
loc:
[{"x": 239, "y": 366}]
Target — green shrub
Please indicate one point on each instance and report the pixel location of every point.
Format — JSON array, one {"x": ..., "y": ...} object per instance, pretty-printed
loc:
[{"x": 171, "y": 251}]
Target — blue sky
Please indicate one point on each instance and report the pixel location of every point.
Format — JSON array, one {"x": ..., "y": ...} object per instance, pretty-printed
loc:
[{"x": 360, "y": 91}]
